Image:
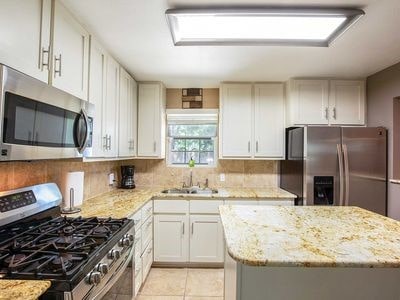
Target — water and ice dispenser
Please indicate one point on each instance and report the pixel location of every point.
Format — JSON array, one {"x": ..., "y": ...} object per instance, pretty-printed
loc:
[{"x": 323, "y": 190}]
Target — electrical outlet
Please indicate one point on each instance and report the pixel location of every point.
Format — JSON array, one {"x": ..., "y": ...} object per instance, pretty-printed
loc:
[
  {"x": 222, "y": 177},
  {"x": 111, "y": 179}
]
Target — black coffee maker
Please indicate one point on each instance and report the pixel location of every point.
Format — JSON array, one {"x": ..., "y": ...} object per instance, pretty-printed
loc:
[{"x": 127, "y": 181}]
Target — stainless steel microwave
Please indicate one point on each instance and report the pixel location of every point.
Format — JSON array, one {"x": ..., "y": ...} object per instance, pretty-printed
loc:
[{"x": 39, "y": 121}]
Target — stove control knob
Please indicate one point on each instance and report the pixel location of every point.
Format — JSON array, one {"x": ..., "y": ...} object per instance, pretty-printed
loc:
[
  {"x": 124, "y": 242},
  {"x": 102, "y": 268},
  {"x": 114, "y": 254},
  {"x": 130, "y": 237},
  {"x": 93, "y": 278}
]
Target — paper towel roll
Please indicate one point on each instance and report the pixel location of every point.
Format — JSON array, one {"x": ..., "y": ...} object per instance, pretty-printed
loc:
[{"x": 74, "y": 180}]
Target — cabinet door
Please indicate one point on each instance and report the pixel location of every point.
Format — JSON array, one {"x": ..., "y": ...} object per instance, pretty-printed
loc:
[
  {"x": 110, "y": 123},
  {"x": 309, "y": 101},
  {"x": 206, "y": 239},
  {"x": 25, "y": 36},
  {"x": 126, "y": 115},
  {"x": 269, "y": 120},
  {"x": 150, "y": 120},
  {"x": 347, "y": 102},
  {"x": 236, "y": 120},
  {"x": 171, "y": 238},
  {"x": 97, "y": 93},
  {"x": 70, "y": 53}
]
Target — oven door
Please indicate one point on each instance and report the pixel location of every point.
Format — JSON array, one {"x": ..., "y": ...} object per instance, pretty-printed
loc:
[{"x": 41, "y": 122}]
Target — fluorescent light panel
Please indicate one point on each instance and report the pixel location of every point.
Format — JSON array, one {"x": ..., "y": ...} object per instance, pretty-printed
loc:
[{"x": 302, "y": 27}]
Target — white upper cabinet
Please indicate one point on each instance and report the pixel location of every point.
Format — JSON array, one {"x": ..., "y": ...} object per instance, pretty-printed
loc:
[
  {"x": 151, "y": 120},
  {"x": 269, "y": 120},
  {"x": 70, "y": 53},
  {"x": 309, "y": 101},
  {"x": 347, "y": 102},
  {"x": 97, "y": 92},
  {"x": 236, "y": 110},
  {"x": 326, "y": 102},
  {"x": 111, "y": 106},
  {"x": 25, "y": 36},
  {"x": 252, "y": 121},
  {"x": 127, "y": 115}
]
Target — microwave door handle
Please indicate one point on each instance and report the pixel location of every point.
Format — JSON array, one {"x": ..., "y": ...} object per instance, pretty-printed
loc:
[{"x": 83, "y": 146}]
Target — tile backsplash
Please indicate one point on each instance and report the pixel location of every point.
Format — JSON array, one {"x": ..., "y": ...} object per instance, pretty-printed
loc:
[
  {"x": 149, "y": 173},
  {"x": 238, "y": 173}
]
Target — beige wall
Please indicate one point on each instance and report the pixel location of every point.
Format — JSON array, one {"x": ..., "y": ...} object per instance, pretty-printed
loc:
[
  {"x": 382, "y": 88},
  {"x": 210, "y": 98}
]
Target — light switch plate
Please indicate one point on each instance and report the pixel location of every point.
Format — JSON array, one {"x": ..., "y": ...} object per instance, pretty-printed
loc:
[
  {"x": 222, "y": 177},
  {"x": 111, "y": 179}
]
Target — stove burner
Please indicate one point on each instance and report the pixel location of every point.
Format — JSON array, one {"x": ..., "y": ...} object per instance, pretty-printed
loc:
[
  {"x": 62, "y": 262},
  {"x": 14, "y": 259},
  {"x": 68, "y": 229},
  {"x": 68, "y": 239},
  {"x": 101, "y": 230}
]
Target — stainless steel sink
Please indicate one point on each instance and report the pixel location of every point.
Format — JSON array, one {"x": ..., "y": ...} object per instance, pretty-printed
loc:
[{"x": 198, "y": 191}]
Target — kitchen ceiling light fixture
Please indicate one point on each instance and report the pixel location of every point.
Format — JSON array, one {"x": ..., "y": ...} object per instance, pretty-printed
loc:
[{"x": 260, "y": 26}]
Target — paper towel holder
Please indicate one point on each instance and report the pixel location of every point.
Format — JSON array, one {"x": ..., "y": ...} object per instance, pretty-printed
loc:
[{"x": 71, "y": 209}]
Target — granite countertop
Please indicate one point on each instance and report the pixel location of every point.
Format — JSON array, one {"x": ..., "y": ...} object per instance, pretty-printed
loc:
[
  {"x": 310, "y": 236},
  {"x": 120, "y": 203},
  {"x": 22, "y": 289}
]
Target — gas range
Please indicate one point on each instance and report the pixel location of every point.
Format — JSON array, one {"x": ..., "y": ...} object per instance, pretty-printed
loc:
[{"x": 82, "y": 257}]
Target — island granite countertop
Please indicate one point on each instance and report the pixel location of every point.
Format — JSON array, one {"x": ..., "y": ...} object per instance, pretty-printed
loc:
[
  {"x": 310, "y": 236},
  {"x": 22, "y": 289},
  {"x": 122, "y": 203}
]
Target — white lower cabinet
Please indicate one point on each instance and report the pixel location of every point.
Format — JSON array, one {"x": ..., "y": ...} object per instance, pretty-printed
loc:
[
  {"x": 187, "y": 231},
  {"x": 206, "y": 239},
  {"x": 138, "y": 274},
  {"x": 171, "y": 238}
]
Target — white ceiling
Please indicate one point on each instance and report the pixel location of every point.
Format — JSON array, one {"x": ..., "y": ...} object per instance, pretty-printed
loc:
[{"x": 136, "y": 33}]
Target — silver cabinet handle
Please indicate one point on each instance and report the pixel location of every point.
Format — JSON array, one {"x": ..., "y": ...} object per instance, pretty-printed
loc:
[
  {"x": 59, "y": 64},
  {"x": 192, "y": 228},
  {"x": 109, "y": 142},
  {"x": 154, "y": 147},
  {"x": 133, "y": 144},
  {"x": 257, "y": 146},
  {"x": 334, "y": 112},
  {"x": 105, "y": 138},
  {"x": 326, "y": 113},
  {"x": 45, "y": 63},
  {"x": 248, "y": 146},
  {"x": 183, "y": 228}
]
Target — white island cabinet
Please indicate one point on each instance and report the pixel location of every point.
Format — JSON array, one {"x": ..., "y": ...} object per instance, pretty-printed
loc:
[{"x": 302, "y": 253}]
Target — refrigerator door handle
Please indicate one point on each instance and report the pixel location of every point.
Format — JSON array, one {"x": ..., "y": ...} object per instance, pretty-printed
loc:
[
  {"x": 341, "y": 175},
  {"x": 346, "y": 174}
]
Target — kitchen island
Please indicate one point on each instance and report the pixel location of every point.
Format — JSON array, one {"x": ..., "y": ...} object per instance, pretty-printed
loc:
[{"x": 310, "y": 253}]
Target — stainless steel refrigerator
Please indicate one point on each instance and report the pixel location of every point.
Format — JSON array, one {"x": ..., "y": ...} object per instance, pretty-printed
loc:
[{"x": 337, "y": 166}]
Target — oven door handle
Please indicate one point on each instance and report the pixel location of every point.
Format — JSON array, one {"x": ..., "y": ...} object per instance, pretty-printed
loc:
[{"x": 82, "y": 130}]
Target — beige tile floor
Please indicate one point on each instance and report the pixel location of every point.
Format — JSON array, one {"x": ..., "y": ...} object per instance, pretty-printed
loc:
[{"x": 183, "y": 284}]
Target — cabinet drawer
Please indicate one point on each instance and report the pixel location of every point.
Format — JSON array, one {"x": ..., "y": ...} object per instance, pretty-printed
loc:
[
  {"x": 205, "y": 206},
  {"x": 147, "y": 210},
  {"x": 147, "y": 233},
  {"x": 137, "y": 218},
  {"x": 147, "y": 261},
  {"x": 138, "y": 274},
  {"x": 138, "y": 242},
  {"x": 276, "y": 202},
  {"x": 171, "y": 206},
  {"x": 241, "y": 202}
]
